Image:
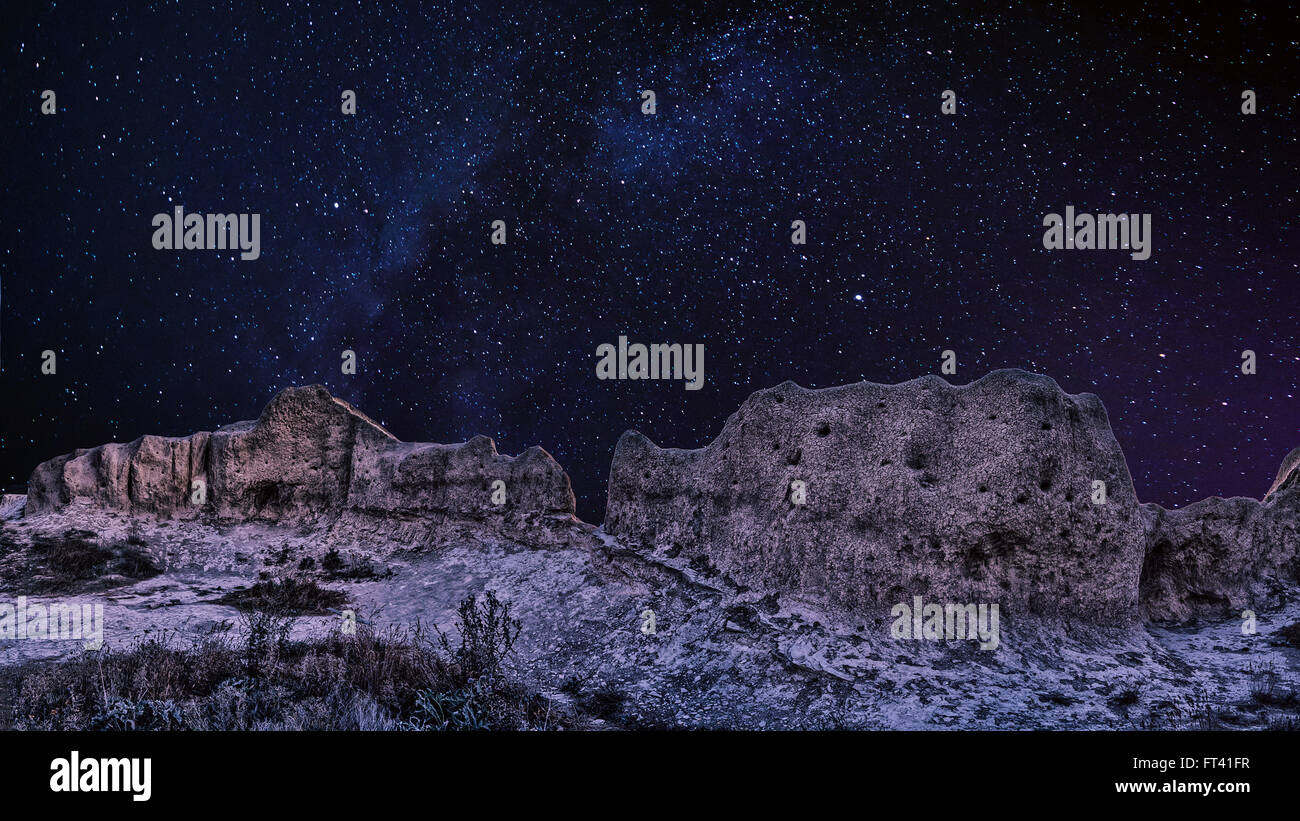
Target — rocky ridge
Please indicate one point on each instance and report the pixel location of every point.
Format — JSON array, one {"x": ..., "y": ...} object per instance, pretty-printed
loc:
[
  {"x": 309, "y": 460},
  {"x": 1005, "y": 490},
  {"x": 769, "y": 613}
]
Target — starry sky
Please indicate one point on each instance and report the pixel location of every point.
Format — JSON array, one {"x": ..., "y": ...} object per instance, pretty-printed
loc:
[{"x": 924, "y": 230}]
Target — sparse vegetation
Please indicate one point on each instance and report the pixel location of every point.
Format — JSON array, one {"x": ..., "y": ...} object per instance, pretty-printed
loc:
[
  {"x": 135, "y": 563},
  {"x": 487, "y": 634},
  {"x": 333, "y": 562},
  {"x": 1285, "y": 723},
  {"x": 287, "y": 597},
  {"x": 1266, "y": 689},
  {"x": 1289, "y": 635},
  {"x": 1271, "y": 704},
  {"x": 604, "y": 702},
  {"x": 335, "y": 566},
  {"x": 1203, "y": 712},
  {"x": 257, "y": 678},
  {"x": 135, "y": 535},
  {"x": 74, "y": 557},
  {"x": 77, "y": 558},
  {"x": 1126, "y": 697}
]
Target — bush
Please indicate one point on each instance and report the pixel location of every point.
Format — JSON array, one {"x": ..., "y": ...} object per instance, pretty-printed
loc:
[
  {"x": 135, "y": 563},
  {"x": 75, "y": 556},
  {"x": 1289, "y": 635},
  {"x": 337, "y": 567},
  {"x": 487, "y": 633},
  {"x": 286, "y": 597},
  {"x": 1266, "y": 689},
  {"x": 455, "y": 710},
  {"x": 333, "y": 562},
  {"x": 147, "y": 714},
  {"x": 1126, "y": 697},
  {"x": 66, "y": 562}
]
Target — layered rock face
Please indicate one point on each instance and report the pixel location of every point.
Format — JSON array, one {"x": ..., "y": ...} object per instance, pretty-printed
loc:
[
  {"x": 1221, "y": 556},
  {"x": 863, "y": 495},
  {"x": 1288, "y": 476},
  {"x": 309, "y": 458},
  {"x": 977, "y": 493}
]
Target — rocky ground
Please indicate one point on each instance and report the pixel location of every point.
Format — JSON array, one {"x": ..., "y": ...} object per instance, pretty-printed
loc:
[
  {"x": 719, "y": 657},
  {"x": 767, "y": 614}
]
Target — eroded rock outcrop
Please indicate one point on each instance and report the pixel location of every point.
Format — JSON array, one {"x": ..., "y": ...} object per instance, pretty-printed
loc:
[
  {"x": 309, "y": 458},
  {"x": 975, "y": 493},
  {"x": 982, "y": 492},
  {"x": 862, "y": 496},
  {"x": 1288, "y": 475},
  {"x": 1218, "y": 557}
]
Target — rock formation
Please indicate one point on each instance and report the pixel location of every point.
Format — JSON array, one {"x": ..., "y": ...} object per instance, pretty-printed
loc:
[
  {"x": 1006, "y": 490},
  {"x": 1287, "y": 475},
  {"x": 1218, "y": 557},
  {"x": 309, "y": 459},
  {"x": 975, "y": 493}
]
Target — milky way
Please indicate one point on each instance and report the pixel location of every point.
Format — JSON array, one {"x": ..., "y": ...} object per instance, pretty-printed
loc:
[{"x": 924, "y": 230}]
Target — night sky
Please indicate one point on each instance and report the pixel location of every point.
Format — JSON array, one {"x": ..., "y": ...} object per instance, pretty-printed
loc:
[{"x": 924, "y": 230}]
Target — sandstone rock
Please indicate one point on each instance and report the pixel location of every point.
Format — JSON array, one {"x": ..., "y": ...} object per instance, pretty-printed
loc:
[
  {"x": 1287, "y": 474},
  {"x": 975, "y": 493},
  {"x": 309, "y": 459},
  {"x": 1218, "y": 557},
  {"x": 959, "y": 494}
]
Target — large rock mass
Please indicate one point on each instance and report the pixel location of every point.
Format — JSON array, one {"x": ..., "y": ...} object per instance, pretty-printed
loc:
[
  {"x": 1006, "y": 490},
  {"x": 977, "y": 493},
  {"x": 1219, "y": 557},
  {"x": 959, "y": 494},
  {"x": 309, "y": 458}
]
